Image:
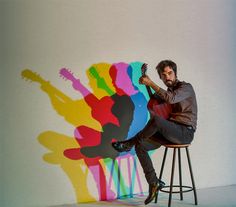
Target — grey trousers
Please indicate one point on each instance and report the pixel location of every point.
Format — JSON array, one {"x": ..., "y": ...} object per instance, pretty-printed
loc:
[{"x": 157, "y": 131}]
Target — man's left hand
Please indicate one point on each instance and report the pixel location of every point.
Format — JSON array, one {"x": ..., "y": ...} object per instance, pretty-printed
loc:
[{"x": 145, "y": 80}]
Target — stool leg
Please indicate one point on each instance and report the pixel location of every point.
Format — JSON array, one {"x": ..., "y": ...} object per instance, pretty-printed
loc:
[
  {"x": 130, "y": 179},
  {"x": 162, "y": 168},
  {"x": 180, "y": 175},
  {"x": 172, "y": 177},
  {"x": 118, "y": 187},
  {"x": 191, "y": 173},
  {"x": 163, "y": 163}
]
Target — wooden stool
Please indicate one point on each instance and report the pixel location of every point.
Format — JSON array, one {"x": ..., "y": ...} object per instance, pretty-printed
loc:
[{"x": 180, "y": 186}]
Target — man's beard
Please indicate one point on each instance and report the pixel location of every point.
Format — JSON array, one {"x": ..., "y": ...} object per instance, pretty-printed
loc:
[{"x": 169, "y": 83}]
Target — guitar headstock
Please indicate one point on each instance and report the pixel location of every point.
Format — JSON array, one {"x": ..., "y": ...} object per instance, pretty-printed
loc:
[
  {"x": 67, "y": 74},
  {"x": 32, "y": 76},
  {"x": 144, "y": 69}
]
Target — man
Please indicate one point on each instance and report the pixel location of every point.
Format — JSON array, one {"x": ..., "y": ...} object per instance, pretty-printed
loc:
[{"x": 179, "y": 128}]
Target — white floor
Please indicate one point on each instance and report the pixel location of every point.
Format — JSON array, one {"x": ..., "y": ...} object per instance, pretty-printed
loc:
[{"x": 210, "y": 197}]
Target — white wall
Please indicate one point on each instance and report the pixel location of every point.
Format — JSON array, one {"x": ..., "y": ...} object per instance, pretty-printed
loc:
[{"x": 47, "y": 35}]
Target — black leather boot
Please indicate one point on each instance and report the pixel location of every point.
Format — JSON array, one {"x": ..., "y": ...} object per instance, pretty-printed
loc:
[
  {"x": 123, "y": 146},
  {"x": 153, "y": 189}
]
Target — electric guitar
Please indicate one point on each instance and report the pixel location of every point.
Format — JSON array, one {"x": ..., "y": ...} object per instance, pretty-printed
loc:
[{"x": 156, "y": 105}]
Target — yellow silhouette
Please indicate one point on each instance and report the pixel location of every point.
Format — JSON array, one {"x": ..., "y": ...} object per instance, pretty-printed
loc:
[
  {"x": 56, "y": 143},
  {"x": 77, "y": 113}
]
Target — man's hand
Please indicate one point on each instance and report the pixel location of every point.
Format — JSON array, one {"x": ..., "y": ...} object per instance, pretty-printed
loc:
[{"x": 145, "y": 80}]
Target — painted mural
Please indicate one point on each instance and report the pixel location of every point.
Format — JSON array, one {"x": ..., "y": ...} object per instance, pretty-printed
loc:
[{"x": 113, "y": 107}]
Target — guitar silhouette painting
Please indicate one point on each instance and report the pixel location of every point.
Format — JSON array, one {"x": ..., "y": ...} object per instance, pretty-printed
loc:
[{"x": 112, "y": 108}]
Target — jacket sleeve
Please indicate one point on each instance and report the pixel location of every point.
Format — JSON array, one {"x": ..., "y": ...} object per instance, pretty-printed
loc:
[{"x": 182, "y": 92}]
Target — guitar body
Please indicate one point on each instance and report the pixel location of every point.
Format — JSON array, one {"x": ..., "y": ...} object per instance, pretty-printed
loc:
[{"x": 157, "y": 107}]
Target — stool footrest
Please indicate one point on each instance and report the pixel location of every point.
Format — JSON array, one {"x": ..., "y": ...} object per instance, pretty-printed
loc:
[{"x": 189, "y": 188}]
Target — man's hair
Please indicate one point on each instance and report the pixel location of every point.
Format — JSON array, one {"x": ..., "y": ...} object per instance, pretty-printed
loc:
[{"x": 165, "y": 63}]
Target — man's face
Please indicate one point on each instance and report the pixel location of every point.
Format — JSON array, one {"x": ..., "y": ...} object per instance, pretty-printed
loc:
[{"x": 168, "y": 76}]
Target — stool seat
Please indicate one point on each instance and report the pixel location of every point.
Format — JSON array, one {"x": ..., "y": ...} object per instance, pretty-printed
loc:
[
  {"x": 166, "y": 143},
  {"x": 181, "y": 187},
  {"x": 176, "y": 145}
]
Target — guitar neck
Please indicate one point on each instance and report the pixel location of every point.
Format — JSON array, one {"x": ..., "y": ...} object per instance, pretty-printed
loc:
[
  {"x": 149, "y": 91},
  {"x": 144, "y": 70}
]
